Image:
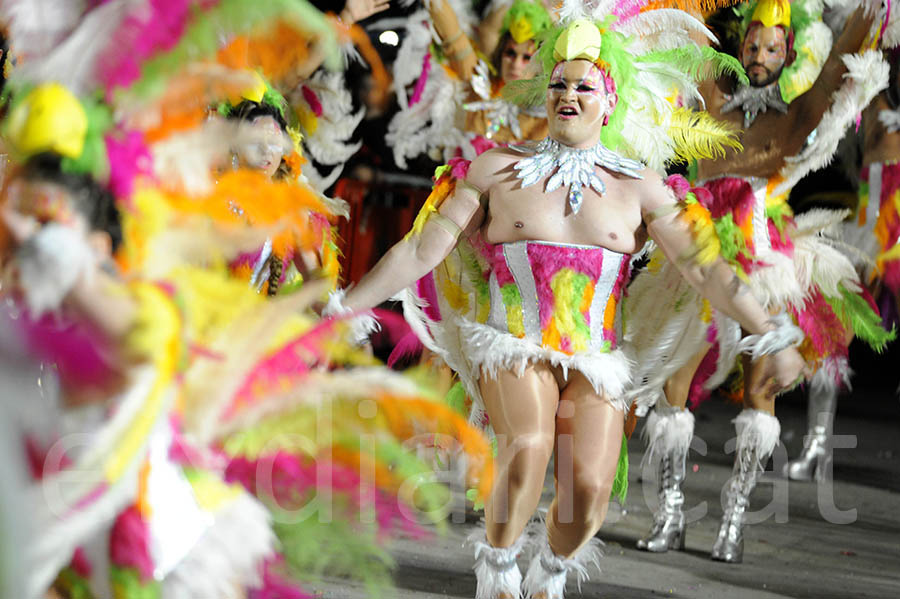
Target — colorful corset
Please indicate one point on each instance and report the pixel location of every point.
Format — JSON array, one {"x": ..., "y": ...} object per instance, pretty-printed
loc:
[
  {"x": 562, "y": 297},
  {"x": 749, "y": 220}
]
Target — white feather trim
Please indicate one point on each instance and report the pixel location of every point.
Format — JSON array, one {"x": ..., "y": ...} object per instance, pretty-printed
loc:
[
  {"x": 72, "y": 62},
  {"x": 867, "y": 74},
  {"x": 495, "y": 568},
  {"x": 330, "y": 143},
  {"x": 891, "y": 36},
  {"x": 757, "y": 435},
  {"x": 664, "y": 329},
  {"x": 490, "y": 351},
  {"x": 833, "y": 374},
  {"x": 410, "y": 55},
  {"x": 786, "y": 335},
  {"x": 362, "y": 324},
  {"x": 728, "y": 335},
  {"x": 59, "y": 528},
  {"x": 547, "y": 572},
  {"x": 36, "y": 27},
  {"x": 431, "y": 125},
  {"x": 663, "y": 29},
  {"x": 668, "y": 429},
  {"x": 50, "y": 262},
  {"x": 890, "y": 119},
  {"x": 229, "y": 558}
]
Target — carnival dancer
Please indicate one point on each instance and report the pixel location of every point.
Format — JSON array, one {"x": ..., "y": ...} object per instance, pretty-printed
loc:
[
  {"x": 154, "y": 472},
  {"x": 521, "y": 263},
  {"x": 873, "y": 231},
  {"x": 434, "y": 121},
  {"x": 793, "y": 118},
  {"x": 264, "y": 142}
]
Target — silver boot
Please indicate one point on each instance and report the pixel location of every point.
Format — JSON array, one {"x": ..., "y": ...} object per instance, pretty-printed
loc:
[
  {"x": 813, "y": 461},
  {"x": 758, "y": 434},
  {"x": 670, "y": 432}
]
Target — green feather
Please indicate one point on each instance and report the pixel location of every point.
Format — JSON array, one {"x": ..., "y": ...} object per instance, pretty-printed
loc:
[
  {"x": 315, "y": 547},
  {"x": 620, "y": 482},
  {"x": 854, "y": 311},
  {"x": 700, "y": 63}
]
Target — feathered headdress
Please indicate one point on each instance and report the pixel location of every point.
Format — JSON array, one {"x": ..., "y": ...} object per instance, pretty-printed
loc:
[
  {"x": 526, "y": 20},
  {"x": 812, "y": 38},
  {"x": 655, "y": 65}
]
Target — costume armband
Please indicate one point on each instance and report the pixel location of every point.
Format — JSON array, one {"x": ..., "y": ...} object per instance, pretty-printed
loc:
[
  {"x": 785, "y": 335},
  {"x": 446, "y": 224}
]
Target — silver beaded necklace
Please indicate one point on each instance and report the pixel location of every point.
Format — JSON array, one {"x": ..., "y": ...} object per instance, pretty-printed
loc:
[{"x": 574, "y": 167}]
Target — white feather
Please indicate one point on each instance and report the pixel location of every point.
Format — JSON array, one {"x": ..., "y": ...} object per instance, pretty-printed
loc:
[
  {"x": 663, "y": 29},
  {"x": 50, "y": 262},
  {"x": 72, "y": 61},
  {"x": 867, "y": 74}
]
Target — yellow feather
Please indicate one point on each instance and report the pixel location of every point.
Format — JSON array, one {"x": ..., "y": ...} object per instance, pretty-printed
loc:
[{"x": 698, "y": 136}]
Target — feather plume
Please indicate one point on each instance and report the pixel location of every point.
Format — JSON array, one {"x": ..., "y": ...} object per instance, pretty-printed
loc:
[
  {"x": 867, "y": 74},
  {"x": 698, "y": 63},
  {"x": 697, "y": 135}
]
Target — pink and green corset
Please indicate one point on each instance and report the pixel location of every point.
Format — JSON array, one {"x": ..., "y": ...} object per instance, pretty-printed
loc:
[{"x": 559, "y": 296}]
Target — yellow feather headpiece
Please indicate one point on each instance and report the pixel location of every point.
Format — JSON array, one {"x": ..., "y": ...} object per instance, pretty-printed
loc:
[
  {"x": 580, "y": 40},
  {"x": 773, "y": 12},
  {"x": 49, "y": 118}
]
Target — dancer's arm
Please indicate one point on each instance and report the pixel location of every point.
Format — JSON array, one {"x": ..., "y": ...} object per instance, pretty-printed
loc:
[
  {"x": 716, "y": 281},
  {"x": 417, "y": 254},
  {"x": 807, "y": 110},
  {"x": 456, "y": 44}
]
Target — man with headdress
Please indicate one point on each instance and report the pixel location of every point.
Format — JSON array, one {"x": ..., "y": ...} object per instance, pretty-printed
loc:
[
  {"x": 793, "y": 117},
  {"x": 519, "y": 265}
]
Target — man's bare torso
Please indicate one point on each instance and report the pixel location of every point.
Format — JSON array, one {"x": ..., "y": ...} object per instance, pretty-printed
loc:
[{"x": 514, "y": 213}]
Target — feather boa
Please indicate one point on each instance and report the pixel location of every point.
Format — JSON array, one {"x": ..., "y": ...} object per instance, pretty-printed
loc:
[{"x": 867, "y": 74}]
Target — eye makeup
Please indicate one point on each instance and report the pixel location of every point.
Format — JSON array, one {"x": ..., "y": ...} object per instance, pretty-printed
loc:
[{"x": 592, "y": 83}]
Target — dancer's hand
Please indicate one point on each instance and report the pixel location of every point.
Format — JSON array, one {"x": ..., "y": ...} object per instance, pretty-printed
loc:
[
  {"x": 357, "y": 10},
  {"x": 783, "y": 370}
]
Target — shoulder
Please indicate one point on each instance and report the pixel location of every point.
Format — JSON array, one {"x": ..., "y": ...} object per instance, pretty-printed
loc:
[
  {"x": 654, "y": 192},
  {"x": 490, "y": 167}
]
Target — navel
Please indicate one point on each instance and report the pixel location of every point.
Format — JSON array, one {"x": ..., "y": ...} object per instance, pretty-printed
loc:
[
  {"x": 519, "y": 224},
  {"x": 613, "y": 236}
]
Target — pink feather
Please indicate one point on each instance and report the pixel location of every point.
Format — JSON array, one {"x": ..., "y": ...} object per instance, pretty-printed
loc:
[
  {"x": 626, "y": 9},
  {"x": 128, "y": 157},
  {"x": 310, "y": 97},
  {"x": 728, "y": 194},
  {"x": 289, "y": 479},
  {"x": 156, "y": 28},
  {"x": 77, "y": 350},
  {"x": 423, "y": 79},
  {"x": 822, "y": 326},
  {"x": 129, "y": 543},
  {"x": 275, "y": 586}
]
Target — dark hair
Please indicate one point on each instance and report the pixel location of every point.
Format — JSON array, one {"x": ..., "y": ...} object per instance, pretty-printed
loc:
[
  {"x": 248, "y": 110},
  {"x": 497, "y": 54},
  {"x": 89, "y": 199}
]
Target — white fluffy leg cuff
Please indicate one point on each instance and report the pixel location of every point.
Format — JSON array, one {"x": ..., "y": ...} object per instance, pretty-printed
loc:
[
  {"x": 668, "y": 429},
  {"x": 757, "y": 434},
  {"x": 362, "y": 324},
  {"x": 495, "y": 567},
  {"x": 547, "y": 572}
]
